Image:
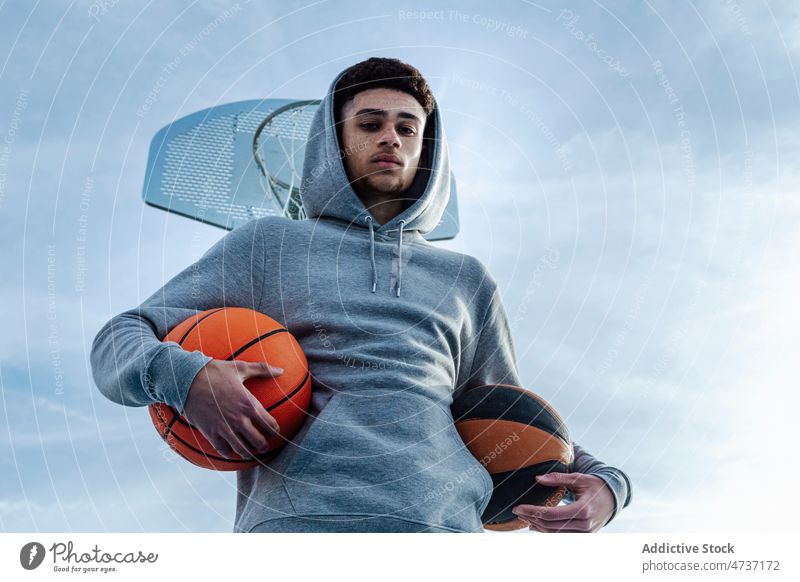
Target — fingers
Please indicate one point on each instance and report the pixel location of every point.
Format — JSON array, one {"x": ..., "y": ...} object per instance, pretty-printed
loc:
[
  {"x": 531, "y": 512},
  {"x": 252, "y": 428},
  {"x": 238, "y": 445},
  {"x": 256, "y": 369},
  {"x": 571, "y": 518},
  {"x": 222, "y": 447},
  {"x": 563, "y": 524},
  {"x": 575, "y": 481},
  {"x": 230, "y": 445},
  {"x": 575, "y": 510},
  {"x": 232, "y": 419},
  {"x": 263, "y": 420},
  {"x": 253, "y": 439},
  {"x": 537, "y": 526},
  {"x": 241, "y": 439},
  {"x": 243, "y": 443}
]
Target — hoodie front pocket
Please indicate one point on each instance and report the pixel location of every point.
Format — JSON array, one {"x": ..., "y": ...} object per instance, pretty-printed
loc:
[{"x": 393, "y": 454}]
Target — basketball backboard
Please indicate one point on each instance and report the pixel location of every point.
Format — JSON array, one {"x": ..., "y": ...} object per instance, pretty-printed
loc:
[{"x": 229, "y": 164}]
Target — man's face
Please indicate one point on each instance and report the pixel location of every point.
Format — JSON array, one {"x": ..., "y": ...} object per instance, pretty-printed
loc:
[{"x": 382, "y": 134}]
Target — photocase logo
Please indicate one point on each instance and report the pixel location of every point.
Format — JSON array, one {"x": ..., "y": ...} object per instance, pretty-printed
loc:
[{"x": 31, "y": 555}]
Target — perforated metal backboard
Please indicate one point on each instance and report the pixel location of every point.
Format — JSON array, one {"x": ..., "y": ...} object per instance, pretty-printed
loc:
[{"x": 209, "y": 166}]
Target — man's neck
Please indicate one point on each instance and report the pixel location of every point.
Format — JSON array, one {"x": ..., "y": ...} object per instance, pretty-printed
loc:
[{"x": 383, "y": 207}]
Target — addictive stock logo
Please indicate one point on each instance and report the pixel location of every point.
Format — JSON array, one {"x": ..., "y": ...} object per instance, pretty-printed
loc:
[{"x": 31, "y": 555}]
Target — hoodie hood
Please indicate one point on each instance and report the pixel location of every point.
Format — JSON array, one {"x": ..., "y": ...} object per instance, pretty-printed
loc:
[{"x": 326, "y": 190}]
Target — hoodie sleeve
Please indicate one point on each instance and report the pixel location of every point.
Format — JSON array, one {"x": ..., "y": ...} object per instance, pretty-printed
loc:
[
  {"x": 132, "y": 366},
  {"x": 495, "y": 362},
  {"x": 617, "y": 480}
]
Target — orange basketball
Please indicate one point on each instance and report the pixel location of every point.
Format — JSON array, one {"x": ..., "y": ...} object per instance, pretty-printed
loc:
[{"x": 236, "y": 333}]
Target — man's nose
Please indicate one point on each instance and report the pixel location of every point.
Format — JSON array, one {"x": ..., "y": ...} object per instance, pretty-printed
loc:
[{"x": 390, "y": 137}]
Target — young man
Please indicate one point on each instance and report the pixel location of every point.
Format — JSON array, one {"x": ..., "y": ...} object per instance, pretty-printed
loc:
[{"x": 392, "y": 326}]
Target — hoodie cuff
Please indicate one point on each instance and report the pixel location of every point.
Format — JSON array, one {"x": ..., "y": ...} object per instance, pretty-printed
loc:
[
  {"x": 170, "y": 374},
  {"x": 620, "y": 487}
]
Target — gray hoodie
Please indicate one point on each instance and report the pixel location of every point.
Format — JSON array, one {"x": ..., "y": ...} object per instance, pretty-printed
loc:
[{"x": 393, "y": 327}]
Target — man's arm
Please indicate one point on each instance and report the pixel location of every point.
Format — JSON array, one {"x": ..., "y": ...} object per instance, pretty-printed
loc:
[
  {"x": 494, "y": 362},
  {"x": 130, "y": 363}
]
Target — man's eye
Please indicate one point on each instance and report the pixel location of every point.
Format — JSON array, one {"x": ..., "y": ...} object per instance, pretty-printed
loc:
[{"x": 406, "y": 130}]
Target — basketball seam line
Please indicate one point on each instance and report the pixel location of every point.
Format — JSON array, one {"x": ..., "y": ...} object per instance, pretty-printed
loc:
[
  {"x": 288, "y": 396},
  {"x": 169, "y": 426},
  {"x": 255, "y": 341},
  {"x": 196, "y": 323}
]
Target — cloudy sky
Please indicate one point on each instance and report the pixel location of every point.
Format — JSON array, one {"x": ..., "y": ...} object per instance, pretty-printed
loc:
[{"x": 628, "y": 171}]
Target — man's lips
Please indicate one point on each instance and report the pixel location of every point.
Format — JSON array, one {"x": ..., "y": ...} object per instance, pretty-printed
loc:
[
  {"x": 387, "y": 161},
  {"x": 385, "y": 164}
]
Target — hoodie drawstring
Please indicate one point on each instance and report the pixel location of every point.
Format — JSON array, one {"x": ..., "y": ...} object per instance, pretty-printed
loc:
[
  {"x": 369, "y": 221},
  {"x": 400, "y": 257},
  {"x": 372, "y": 254}
]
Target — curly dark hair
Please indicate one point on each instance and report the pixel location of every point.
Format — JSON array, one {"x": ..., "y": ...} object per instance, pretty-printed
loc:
[{"x": 383, "y": 72}]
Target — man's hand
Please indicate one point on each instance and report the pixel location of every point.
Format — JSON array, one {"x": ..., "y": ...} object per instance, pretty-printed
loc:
[
  {"x": 591, "y": 510},
  {"x": 226, "y": 412}
]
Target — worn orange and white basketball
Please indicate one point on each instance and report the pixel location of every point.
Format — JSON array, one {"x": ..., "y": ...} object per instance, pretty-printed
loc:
[{"x": 516, "y": 436}]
